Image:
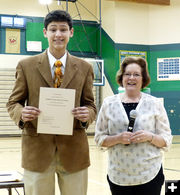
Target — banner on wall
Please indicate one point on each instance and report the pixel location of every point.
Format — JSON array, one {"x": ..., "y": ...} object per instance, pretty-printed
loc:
[
  {"x": 12, "y": 40},
  {"x": 125, "y": 53}
]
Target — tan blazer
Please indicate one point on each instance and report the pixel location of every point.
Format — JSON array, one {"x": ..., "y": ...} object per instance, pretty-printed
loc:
[{"x": 38, "y": 150}]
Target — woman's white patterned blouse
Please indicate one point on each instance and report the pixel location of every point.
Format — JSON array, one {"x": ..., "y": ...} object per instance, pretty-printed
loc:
[{"x": 137, "y": 163}]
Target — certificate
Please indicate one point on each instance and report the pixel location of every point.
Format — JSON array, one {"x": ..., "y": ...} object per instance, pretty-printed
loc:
[{"x": 56, "y": 105}]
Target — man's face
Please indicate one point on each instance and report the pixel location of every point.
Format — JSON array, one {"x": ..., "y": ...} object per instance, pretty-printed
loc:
[{"x": 58, "y": 35}]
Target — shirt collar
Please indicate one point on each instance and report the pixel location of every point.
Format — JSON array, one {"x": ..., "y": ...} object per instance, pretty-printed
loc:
[{"x": 52, "y": 59}]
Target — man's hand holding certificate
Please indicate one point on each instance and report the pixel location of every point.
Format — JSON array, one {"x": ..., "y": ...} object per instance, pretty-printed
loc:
[{"x": 56, "y": 106}]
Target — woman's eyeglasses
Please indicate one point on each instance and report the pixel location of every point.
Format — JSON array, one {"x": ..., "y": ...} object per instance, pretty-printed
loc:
[{"x": 135, "y": 75}]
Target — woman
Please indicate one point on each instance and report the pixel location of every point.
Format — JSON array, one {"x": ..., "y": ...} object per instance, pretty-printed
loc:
[{"x": 135, "y": 158}]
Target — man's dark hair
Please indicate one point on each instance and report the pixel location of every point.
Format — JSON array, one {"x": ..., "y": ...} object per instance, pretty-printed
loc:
[{"x": 58, "y": 16}]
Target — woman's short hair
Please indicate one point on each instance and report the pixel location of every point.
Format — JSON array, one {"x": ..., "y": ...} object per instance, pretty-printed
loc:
[{"x": 144, "y": 70}]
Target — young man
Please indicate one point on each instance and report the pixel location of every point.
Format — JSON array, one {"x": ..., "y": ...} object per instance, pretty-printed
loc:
[{"x": 43, "y": 155}]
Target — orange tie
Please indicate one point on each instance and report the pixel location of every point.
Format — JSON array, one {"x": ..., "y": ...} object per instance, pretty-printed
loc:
[{"x": 58, "y": 76}]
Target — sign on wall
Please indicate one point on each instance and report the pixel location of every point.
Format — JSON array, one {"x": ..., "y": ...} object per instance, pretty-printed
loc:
[
  {"x": 168, "y": 69},
  {"x": 125, "y": 53}
]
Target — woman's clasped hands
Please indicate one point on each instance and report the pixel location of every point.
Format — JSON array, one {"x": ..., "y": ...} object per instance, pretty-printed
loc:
[{"x": 135, "y": 137}]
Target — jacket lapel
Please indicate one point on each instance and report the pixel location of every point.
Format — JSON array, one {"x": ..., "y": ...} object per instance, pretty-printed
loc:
[
  {"x": 70, "y": 70},
  {"x": 44, "y": 69}
]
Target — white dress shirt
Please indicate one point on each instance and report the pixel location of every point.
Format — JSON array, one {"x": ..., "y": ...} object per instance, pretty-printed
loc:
[{"x": 137, "y": 163}]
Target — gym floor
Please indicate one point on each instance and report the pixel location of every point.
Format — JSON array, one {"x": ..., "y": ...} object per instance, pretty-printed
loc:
[{"x": 10, "y": 160}]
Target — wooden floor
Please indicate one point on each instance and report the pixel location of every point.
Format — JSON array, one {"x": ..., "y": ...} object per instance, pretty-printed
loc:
[{"x": 10, "y": 159}]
